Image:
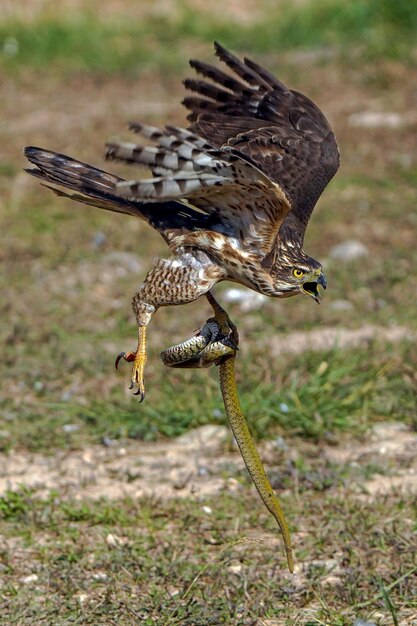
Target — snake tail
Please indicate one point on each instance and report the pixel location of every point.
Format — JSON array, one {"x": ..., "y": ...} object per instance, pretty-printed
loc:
[{"x": 250, "y": 454}]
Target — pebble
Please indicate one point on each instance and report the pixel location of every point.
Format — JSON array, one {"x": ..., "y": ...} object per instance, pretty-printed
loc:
[
  {"x": 361, "y": 622},
  {"x": 31, "y": 578},
  {"x": 349, "y": 250},
  {"x": 382, "y": 119},
  {"x": 82, "y": 597},
  {"x": 67, "y": 395},
  {"x": 99, "y": 239},
  {"x": 10, "y": 47},
  {"x": 279, "y": 443},
  {"x": 124, "y": 261},
  {"x": 113, "y": 541},
  {"x": 341, "y": 305},
  {"x": 70, "y": 428},
  {"x": 248, "y": 300},
  {"x": 209, "y": 434}
]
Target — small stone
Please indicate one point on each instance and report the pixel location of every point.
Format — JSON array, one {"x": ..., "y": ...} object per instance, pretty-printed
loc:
[
  {"x": 382, "y": 119},
  {"x": 349, "y": 250},
  {"x": 388, "y": 431},
  {"x": 207, "y": 510},
  {"x": 113, "y": 541},
  {"x": 341, "y": 305},
  {"x": 284, "y": 408},
  {"x": 38, "y": 385},
  {"x": 10, "y": 47},
  {"x": 361, "y": 622},
  {"x": 331, "y": 581},
  {"x": 70, "y": 428},
  {"x": 279, "y": 443},
  {"x": 235, "y": 568},
  {"x": 31, "y": 578},
  {"x": 100, "y": 576},
  {"x": 173, "y": 591},
  {"x": 99, "y": 239},
  {"x": 209, "y": 435},
  {"x": 124, "y": 261},
  {"x": 248, "y": 300}
]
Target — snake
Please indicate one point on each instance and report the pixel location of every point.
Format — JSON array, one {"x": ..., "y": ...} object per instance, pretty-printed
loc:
[{"x": 217, "y": 344}]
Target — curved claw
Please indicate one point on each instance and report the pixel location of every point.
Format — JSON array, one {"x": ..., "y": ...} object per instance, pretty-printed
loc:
[
  {"x": 136, "y": 380},
  {"x": 118, "y": 358},
  {"x": 231, "y": 340},
  {"x": 126, "y": 356},
  {"x": 141, "y": 394}
]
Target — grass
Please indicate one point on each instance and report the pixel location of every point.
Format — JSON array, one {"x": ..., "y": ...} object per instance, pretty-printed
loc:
[
  {"x": 315, "y": 395},
  {"x": 102, "y": 562},
  {"x": 80, "y": 41}
]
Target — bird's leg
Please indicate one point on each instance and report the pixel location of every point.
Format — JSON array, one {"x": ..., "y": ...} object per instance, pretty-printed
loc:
[
  {"x": 171, "y": 281},
  {"x": 144, "y": 312},
  {"x": 223, "y": 319},
  {"x": 139, "y": 360}
]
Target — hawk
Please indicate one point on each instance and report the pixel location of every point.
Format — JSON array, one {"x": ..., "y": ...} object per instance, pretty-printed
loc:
[{"x": 231, "y": 195}]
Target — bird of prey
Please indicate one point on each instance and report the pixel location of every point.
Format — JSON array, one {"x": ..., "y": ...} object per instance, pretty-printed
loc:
[{"x": 231, "y": 195}]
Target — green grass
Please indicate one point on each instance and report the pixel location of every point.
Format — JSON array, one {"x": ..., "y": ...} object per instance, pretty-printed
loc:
[
  {"x": 83, "y": 42},
  {"x": 96, "y": 562},
  {"x": 316, "y": 395}
]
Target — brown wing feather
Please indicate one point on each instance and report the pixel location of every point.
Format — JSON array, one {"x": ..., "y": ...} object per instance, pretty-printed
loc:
[
  {"x": 230, "y": 188},
  {"x": 279, "y": 130}
]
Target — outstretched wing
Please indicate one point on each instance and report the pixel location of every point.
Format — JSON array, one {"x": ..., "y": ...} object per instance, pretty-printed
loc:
[
  {"x": 279, "y": 130},
  {"x": 228, "y": 187}
]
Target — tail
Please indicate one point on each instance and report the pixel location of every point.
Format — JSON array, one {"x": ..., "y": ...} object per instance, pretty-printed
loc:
[
  {"x": 95, "y": 187},
  {"x": 88, "y": 184}
]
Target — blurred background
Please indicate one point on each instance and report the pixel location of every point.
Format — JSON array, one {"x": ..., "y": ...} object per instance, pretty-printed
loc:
[{"x": 72, "y": 74}]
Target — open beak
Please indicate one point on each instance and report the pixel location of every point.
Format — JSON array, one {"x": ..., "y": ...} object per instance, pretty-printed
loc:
[{"x": 312, "y": 287}]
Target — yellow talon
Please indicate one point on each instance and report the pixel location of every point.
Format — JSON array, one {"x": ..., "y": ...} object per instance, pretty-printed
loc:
[{"x": 139, "y": 360}]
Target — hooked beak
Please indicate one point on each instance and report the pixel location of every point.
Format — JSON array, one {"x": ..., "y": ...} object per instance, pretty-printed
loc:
[{"x": 312, "y": 287}]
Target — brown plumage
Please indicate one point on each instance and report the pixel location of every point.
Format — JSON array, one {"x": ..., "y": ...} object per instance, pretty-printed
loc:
[{"x": 231, "y": 195}]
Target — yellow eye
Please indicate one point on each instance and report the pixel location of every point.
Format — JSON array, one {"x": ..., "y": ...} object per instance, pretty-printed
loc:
[{"x": 297, "y": 273}]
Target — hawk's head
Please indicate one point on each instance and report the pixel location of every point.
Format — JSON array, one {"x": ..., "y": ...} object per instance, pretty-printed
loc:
[{"x": 298, "y": 273}]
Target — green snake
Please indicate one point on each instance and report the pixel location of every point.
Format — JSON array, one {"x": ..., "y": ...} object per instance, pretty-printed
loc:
[{"x": 217, "y": 343}]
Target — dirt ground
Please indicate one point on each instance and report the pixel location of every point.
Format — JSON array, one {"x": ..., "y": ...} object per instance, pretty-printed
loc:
[{"x": 194, "y": 465}]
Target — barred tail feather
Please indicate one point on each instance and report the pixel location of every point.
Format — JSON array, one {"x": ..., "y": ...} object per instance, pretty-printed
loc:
[{"x": 90, "y": 185}]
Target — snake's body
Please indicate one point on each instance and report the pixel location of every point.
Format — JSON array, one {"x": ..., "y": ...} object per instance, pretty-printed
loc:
[{"x": 210, "y": 346}]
